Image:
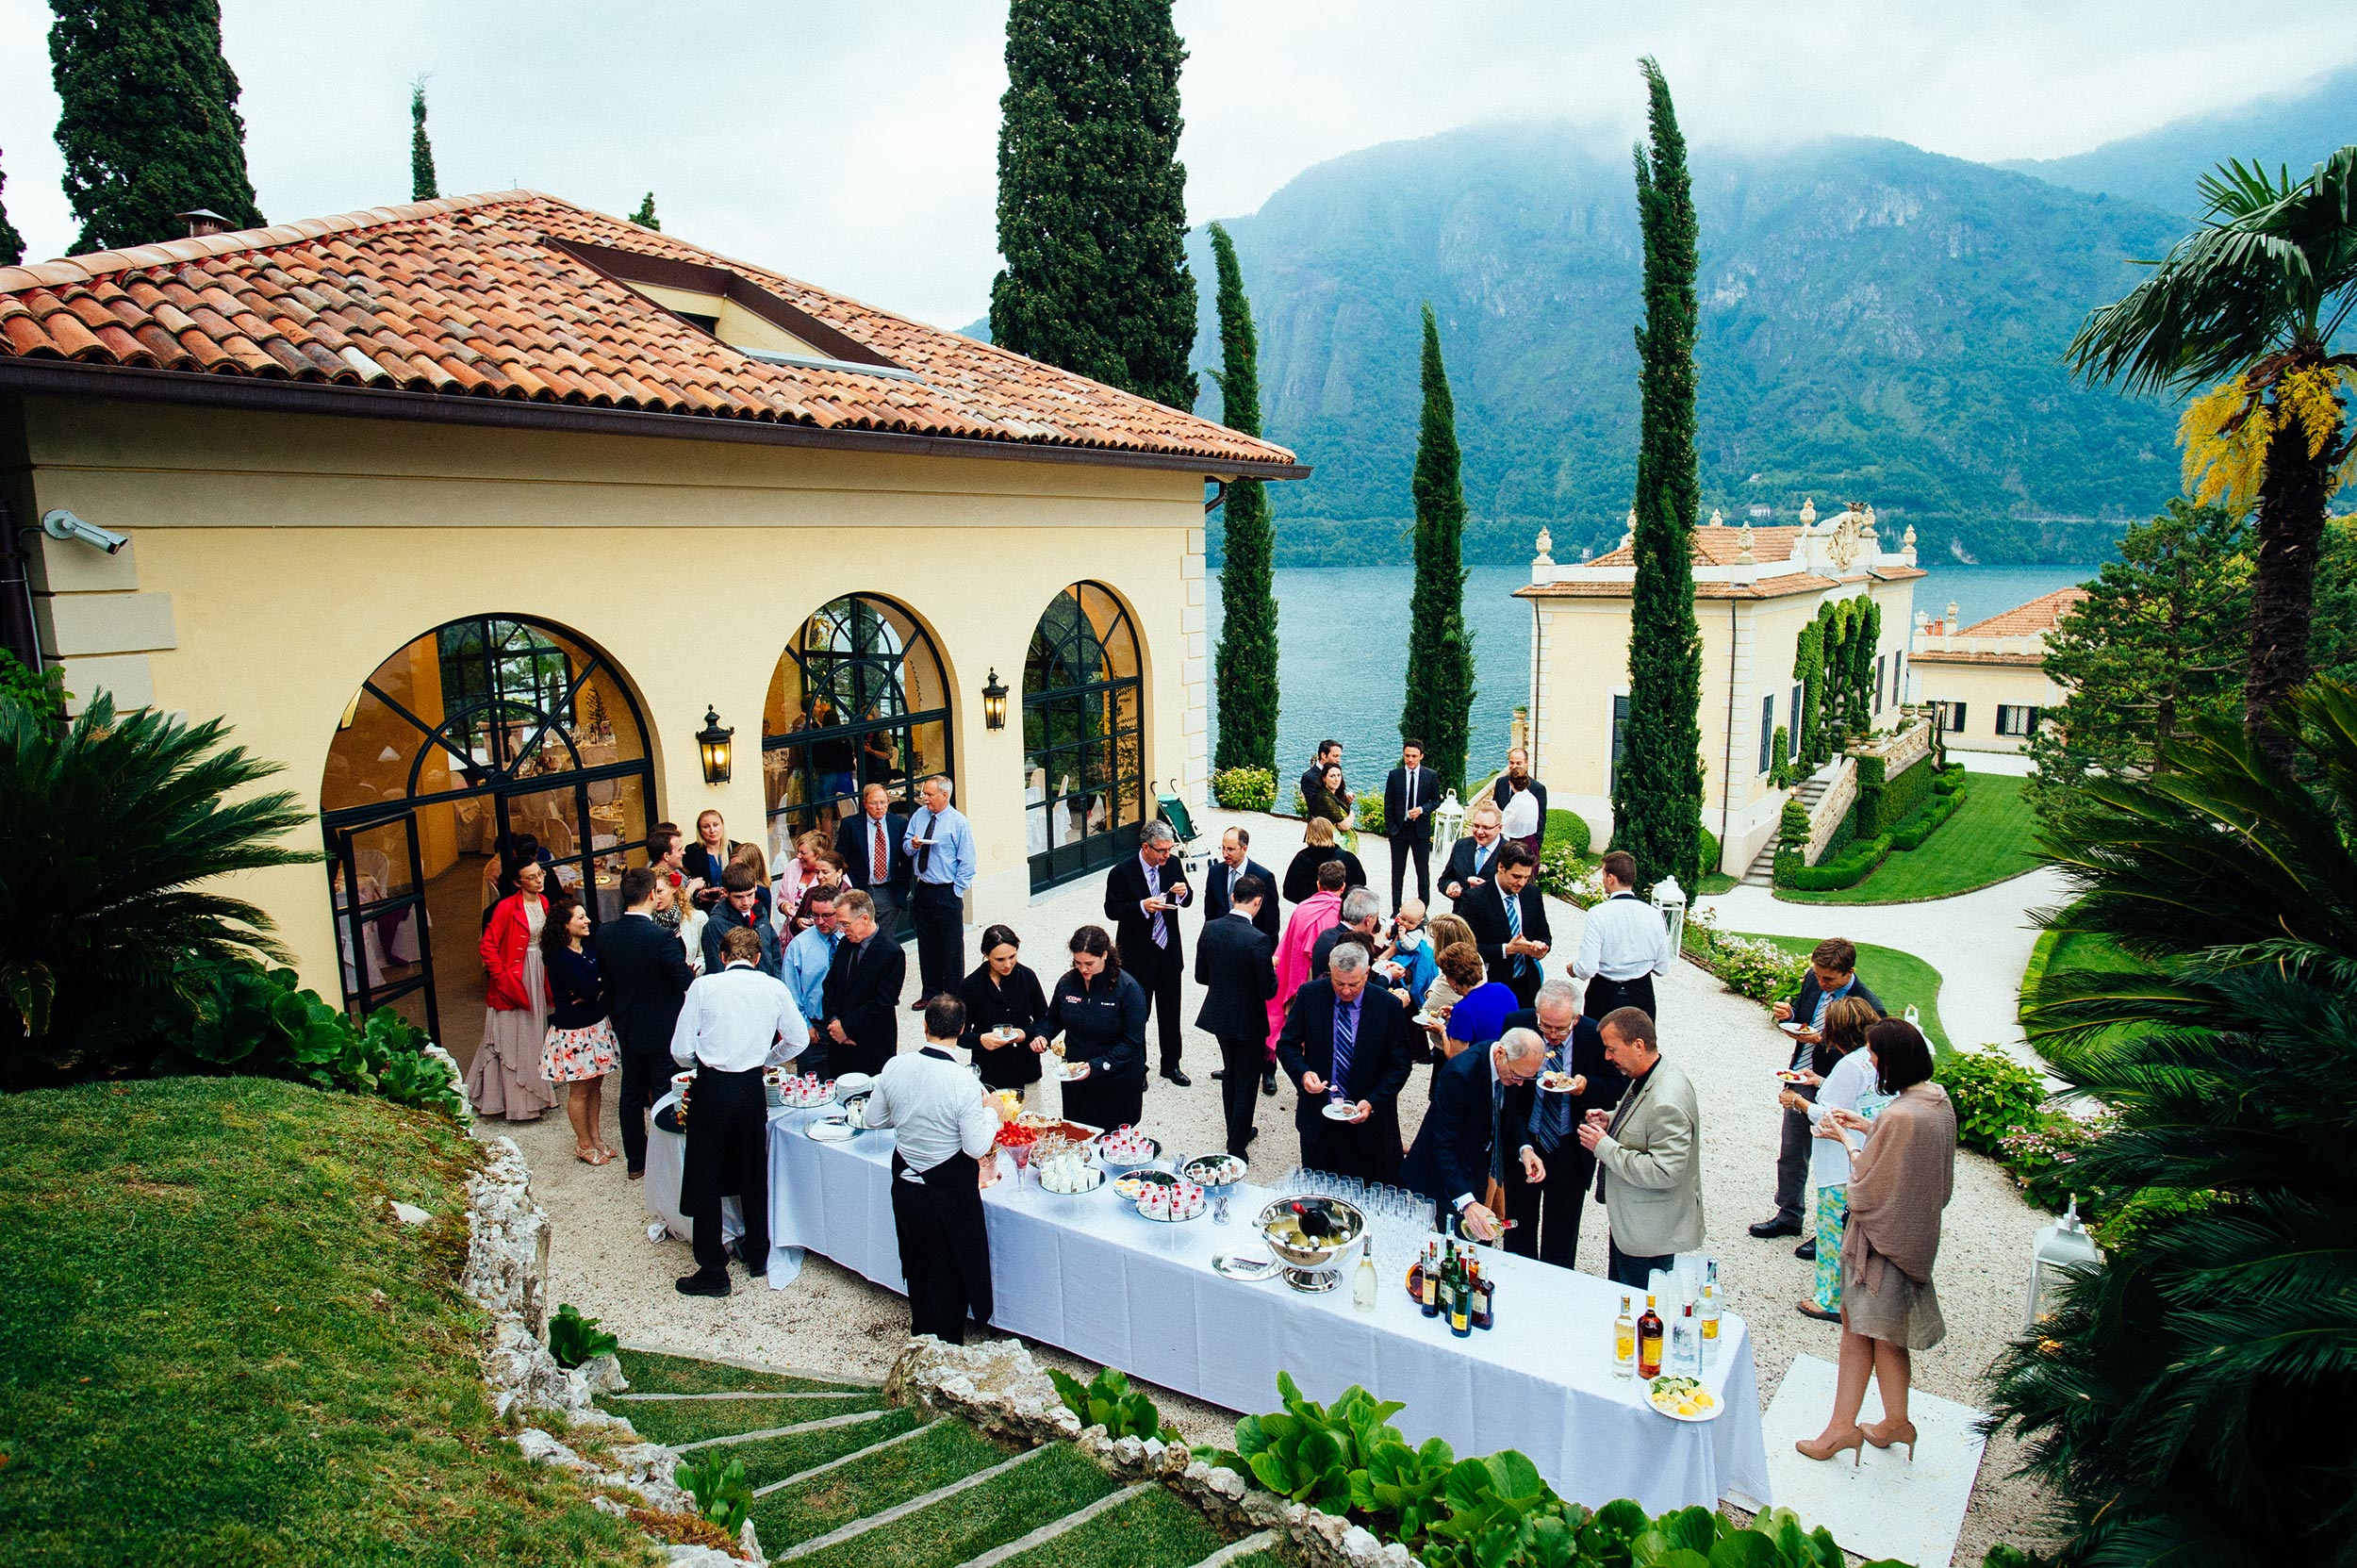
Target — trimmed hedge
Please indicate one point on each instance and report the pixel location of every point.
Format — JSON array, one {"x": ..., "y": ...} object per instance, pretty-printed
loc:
[
  {"x": 1904, "y": 795},
  {"x": 1367, "y": 811},
  {"x": 1911, "y": 834},
  {"x": 1245, "y": 788},
  {"x": 1792, "y": 827},
  {"x": 1565, "y": 827},
  {"x": 1847, "y": 870},
  {"x": 1950, "y": 779}
]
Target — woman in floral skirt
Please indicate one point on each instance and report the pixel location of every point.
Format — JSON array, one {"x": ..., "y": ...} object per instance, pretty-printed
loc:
[
  {"x": 581, "y": 1048},
  {"x": 1844, "y": 1072}
]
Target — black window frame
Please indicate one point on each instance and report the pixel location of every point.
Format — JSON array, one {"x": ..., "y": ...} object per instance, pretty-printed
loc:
[{"x": 1086, "y": 748}]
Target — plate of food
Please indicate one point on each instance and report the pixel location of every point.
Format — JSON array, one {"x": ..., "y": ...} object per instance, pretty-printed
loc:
[
  {"x": 1683, "y": 1399},
  {"x": 1785, "y": 1075},
  {"x": 1171, "y": 1203},
  {"x": 1067, "y": 1173},
  {"x": 1129, "y": 1184},
  {"x": 1342, "y": 1110},
  {"x": 1244, "y": 1265},
  {"x": 832, "y": 1131},
  {"x": 1215, "y": 1170},
  {"x": 1557, "y": 1082},
  {"x": 1427, "y": 1020},
  {"x": 1790, "y": 1027},
  {"x": 1126, "y": 1146}
]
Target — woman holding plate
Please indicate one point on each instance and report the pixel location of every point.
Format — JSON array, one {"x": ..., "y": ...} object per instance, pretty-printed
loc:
[
  {"x": 1003, "y": 1008},
  {"x": 1100, "y": 1013}
]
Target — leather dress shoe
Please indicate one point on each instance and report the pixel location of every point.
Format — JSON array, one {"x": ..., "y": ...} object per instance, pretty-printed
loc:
[
  {"x": 701, "y": 1284},
  {"x": 1219, "y": 1075},
  {"x": 1806, "y": 1251},
  {"x": 1769, "y": 1230},
  {"x": 1268, "y": 1084},
  {"x": 1178, "y": 1076}
]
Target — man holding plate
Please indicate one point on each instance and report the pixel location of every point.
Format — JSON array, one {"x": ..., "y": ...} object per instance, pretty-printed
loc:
[
  {"x": 1832, "y": 972},
  {"x": 1344, "y": 1045}
]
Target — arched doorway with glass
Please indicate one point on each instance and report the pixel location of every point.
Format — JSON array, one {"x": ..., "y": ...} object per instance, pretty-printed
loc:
[
  {"x": 484, "y": 740},
  {"x": 1084, "y": 736},
  {"x": 859, "y": 698}
]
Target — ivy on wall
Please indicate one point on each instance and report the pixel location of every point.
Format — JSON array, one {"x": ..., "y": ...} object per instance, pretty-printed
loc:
[{"x": 1834, "y": 661}]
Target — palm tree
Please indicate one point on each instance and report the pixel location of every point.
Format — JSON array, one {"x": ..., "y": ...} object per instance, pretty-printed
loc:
[
  {"x": 2247, "y": 305},
  {"x": 114, "y": 832},
  {"x": 2178, "y": 1398}
]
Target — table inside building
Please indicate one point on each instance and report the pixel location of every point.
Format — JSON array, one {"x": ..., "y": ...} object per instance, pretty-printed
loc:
[{"x": 1085, "y": 1273}]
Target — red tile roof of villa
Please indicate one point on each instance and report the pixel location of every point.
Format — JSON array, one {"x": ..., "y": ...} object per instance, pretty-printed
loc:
[
  {"x": 2035, "y": 619},
  {"x": 511, "y": 309},
  {"x": 1714, "y": 546}
]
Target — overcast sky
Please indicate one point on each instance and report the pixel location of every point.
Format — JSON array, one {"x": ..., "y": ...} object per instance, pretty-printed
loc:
[{"x": 855, "y": 144}]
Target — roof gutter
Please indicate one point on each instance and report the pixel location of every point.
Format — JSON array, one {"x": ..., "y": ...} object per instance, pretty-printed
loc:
[{"x": 244, "y": 394}]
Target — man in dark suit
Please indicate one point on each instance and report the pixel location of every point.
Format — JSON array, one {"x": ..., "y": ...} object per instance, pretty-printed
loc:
[
  {"x": 1510, "y": 922},
  {"x": 1142, "y": 897},
  {"x": 1313, "y": 776},
  {"x": 1832, "y": 974},
  {"x": 1235, "y": 963},
  {"x": 1235, "y": 862},
  {"x": 645, "y": 975},
  {"x": 863, "y": 992},
  {"x": 1471, "y": 859},
  {"x": 1408, "y": 796},
  {"x": 1546, "y": 1212},
  {"x": 1345, "y": 1042},
  {"x": 872, "y": 839},
  {"x": 1515, "y": 780},
  {"x": 1459, "y": 1147}
]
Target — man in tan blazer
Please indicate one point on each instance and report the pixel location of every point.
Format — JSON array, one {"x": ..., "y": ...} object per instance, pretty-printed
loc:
[{"x": 1649, "y": 1153}]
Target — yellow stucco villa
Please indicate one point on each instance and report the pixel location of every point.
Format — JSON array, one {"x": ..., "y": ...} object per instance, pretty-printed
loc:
[{"x": 470, "y": 511}]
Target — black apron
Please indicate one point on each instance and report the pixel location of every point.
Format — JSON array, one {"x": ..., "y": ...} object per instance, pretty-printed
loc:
[
  {"x": 727, "y": 1150},
  {"x": 945, "y": 1245}
]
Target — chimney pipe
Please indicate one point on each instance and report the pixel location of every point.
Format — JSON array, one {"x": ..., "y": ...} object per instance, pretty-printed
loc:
[{"x": 203, "y": 221}]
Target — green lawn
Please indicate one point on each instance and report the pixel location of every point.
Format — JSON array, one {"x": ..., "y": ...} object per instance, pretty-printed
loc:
[
  {"x": 878, "y": 1481},
  {"x": 216, "y": 1346},
  {"x": 1154, "y": 1529},
  {"x": 1897, "y": 978},
  {"x": 1988, "y": 840},
  {"x": 1061, "y": 1479}
]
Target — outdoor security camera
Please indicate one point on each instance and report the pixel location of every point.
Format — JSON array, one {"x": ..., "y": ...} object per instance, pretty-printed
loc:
[{"x": 62, "y": 524}]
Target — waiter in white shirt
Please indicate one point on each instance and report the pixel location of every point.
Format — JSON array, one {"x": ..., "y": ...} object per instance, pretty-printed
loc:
[
  {"x": 946, "y": 1127},
  {"x": 732, "y": 1025},
  {"x": 1625, "y": 944}
]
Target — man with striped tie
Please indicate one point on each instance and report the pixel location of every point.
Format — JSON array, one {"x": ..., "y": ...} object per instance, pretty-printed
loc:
[
  {"x": 1508, "y": 920},
  {"x": 1546, "y": 1212},
  {"x": 1344, "y": 1045}
]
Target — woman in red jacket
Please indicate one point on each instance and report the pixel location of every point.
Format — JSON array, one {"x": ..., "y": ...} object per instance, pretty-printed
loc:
[{"x": 504, "y": 1079}]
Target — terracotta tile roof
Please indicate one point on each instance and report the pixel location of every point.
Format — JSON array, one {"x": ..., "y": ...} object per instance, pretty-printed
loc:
[
  {"x": 2023, "y": 661},
  {"x": 1719, "y": 547},
  {"x": 1767, "y": 587},
  {"x": 467, "y": 297},
  {"x": 2036, "y": 619}
]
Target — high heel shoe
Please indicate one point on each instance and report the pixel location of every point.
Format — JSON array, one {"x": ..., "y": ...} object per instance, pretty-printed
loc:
[
  {"x": 1816, "y": 1448},
  {"x": 1890, "y": 1434}
]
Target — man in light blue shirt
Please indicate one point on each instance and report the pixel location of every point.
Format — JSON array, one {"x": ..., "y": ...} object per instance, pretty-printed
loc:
[
  {"x": 940, "y": 843},
  {"x": 810, "y": 953}
]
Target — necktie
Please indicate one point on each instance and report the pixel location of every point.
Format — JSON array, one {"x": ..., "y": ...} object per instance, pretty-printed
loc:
[
  {"x": 1154, "y": 890},
  {"x": 1497, "y": 1115},
  {"x": 1411, "y": 789},
  {"x": 925, "y": 848},
  {"x": 883, "y": 862},
  {"x": 1515, "y": 926},
  {"x": 1620, "y": 1115},
  {"x": 1555, "y": 1111},
  {"x": 1345, "y": 1039}
]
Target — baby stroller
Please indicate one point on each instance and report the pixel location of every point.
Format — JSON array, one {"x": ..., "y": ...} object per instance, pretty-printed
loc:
[{"x": 1192, "y": 852}]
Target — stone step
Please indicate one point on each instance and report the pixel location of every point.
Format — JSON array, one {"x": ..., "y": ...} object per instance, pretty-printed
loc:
[
  {"x": 1263, "y": 1541},
  {"x": 824, "y": 1423},
  {"x": 748, "y": 1393},
  {"x": 858, "y": 1527}
]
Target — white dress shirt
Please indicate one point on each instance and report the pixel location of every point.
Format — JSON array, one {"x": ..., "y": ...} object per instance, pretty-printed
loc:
[
  {"x": 935, "y": 1108},
  {"x": 1624, "y": 938},
  {"x": 736, "y": 1020}
]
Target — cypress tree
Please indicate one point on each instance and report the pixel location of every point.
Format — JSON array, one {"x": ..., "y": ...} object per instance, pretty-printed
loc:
[
  {"x": 1657, "y": 790},
  {"x": 1091, "y": 197},
  {"x": 423, "y": 186},
  {"x": 644, "y": 216},
  {"x": 1245, "y": 669},
  {"x": 148, "y": 119},
  {"x": 1437, "y": 709},
  {"x": 12, "y": 242}
]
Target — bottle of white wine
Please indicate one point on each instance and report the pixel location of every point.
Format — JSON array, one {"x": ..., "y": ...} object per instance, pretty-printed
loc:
[
  {"x": 1710, "y": 1316},
  {"x": 1362, "y": 1284},
  {"x": 1624, "y": 1343}
]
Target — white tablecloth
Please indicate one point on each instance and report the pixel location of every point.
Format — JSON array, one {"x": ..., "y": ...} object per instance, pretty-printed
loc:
[{"x": 1085, "y": 1273}]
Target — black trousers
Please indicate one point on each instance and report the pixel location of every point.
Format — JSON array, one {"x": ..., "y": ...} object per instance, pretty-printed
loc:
[
  {"x": 939, "y": 916},
  {"x": 727, "y": 1155},
  {"x": 1419, "y": 847},
  {"x": 1604, "y": 996},
  {"x": 1159, "y": 977},
  {"x": 1793, "y": 1141},
  {"x": 646, "y": 1078},
  {"x": 1546, "y": 1215},
  {"x": 1240, "y": 1091},
  {"x": 1636, "y": 1273},
  {"x": 945, "y": 1245}
]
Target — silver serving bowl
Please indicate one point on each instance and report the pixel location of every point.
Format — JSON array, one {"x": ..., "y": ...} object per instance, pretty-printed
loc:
[
  {"x": 1122, "y": 1167},
  {"x": 1348, "y": 1223}
]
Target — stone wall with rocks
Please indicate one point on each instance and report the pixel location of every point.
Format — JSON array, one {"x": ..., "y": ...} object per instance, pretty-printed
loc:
[{"x": 998, "y": 1387}]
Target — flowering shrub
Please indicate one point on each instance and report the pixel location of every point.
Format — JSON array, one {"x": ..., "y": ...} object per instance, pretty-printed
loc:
[
  {"x": 1245, "y": 788},
  {"x": 1751, "y": 967},
  {"x": 1562, "y": 874}
]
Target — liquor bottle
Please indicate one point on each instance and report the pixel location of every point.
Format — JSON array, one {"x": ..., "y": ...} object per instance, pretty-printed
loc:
[
  {"x": 1624, "y": 1343},
  {"x": 1460, "y": 1297},
  {"x": 1649, "y": 1343},
  {"x": 1686, "y": 1354},
  {"x": 1484, "y": 1298},
  {"x": 1710, "y": 1316},
  {"x": 1363, "y": 1284},
  {"x": 1430, "y": 1285}
]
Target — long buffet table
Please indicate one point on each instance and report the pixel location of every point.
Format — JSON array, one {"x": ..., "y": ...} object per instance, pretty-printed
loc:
[{"x": 1085, "y": 1273}]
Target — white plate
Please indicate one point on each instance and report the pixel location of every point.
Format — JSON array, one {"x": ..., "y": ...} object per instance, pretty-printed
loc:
[
  {"x": 1791, "y": 1028},
  {"x": 1563, "y": 1088},
  {"x": 1244, "y": 1265},
  {"x": 1425, "y": 1020},
  {"x": 833, "y": 1133},
  {"x": 1717, "y": 1405},
  {"x": 1785, "y": 1075},
  {"x": 1341, "y": 1110}
]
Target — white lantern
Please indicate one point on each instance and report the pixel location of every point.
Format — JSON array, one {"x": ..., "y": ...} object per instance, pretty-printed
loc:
[
  {"x": 1448, "y": 820},
  {"x": 2060, "y": 1246},
  {"x": 1669, "y": 897}
]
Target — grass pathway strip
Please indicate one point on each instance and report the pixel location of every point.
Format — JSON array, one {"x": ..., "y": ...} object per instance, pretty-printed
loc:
[
  {"x": 636, "y": 1398},
  {"x": 1254, "y": 1551},
  {"x": 1037, "y": 1486},
  {"x": 771, "y": 1458},
  {"x": 899, "y": 1511},
  {"x": 824, "y": 1423},
  {"x": 1055, "y": 1527},
  {"x": 1157, "y": 1529},
  {"x": 856, "y": 1453},
  {"x": 943, "y": 1457},
  {"x": 675, "y": 1424},
  {"x": 660, "y": 1372}
]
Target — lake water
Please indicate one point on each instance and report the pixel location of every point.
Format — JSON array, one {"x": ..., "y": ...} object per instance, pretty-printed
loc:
[{"x": 1341, "y": 657}]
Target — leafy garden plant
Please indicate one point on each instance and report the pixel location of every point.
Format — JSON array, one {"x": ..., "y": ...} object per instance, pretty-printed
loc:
[
  {"x": 1109, "y": 1401},
  {"x": 1245, "y": 788},
  {"x": 719, "y": 1486},
  {"x": 575, "y": 1340}
]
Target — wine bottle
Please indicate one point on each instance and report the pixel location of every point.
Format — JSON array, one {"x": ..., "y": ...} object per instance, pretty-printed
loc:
[
  {"x": 1363, "y": 1284},
  {"x": 1624, "y": 1343},
  {"x": 1460, "y": 1297},
  {"x": 1430, "y": 1302},
  {"x": 1710, "y": 1316},
  {"x": 1686, "y": 1355},
  {"x": 1649, "y": 1343},
  {"x": 1484, "y": 1298}
]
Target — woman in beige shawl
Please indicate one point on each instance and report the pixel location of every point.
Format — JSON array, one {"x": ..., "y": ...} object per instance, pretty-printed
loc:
[{"x": 1898, "y": 1185}]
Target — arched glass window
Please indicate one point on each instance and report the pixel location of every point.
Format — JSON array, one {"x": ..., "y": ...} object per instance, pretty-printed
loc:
[
  {"x": 1084, "y": 736},
  {"x": 858, "y": 698},
  {"x": 497, "y": 732}
]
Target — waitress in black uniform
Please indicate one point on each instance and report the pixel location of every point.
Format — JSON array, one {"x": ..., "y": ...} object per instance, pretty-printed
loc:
[
  {"x": 1100, "y": 1013},
  {"x": 1002, "y": 993}
]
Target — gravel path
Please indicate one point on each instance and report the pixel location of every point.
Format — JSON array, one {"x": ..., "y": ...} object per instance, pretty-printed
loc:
[{"x": 833, "y": 1323}]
